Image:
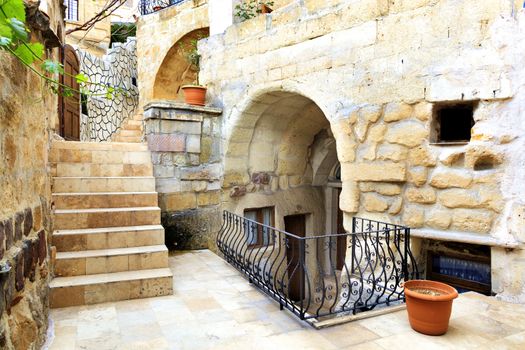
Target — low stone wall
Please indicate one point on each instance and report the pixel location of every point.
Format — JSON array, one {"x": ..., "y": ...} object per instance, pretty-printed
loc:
[{"x": 185, "y": 146}]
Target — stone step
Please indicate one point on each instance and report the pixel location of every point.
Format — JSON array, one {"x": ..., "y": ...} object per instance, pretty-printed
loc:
[
  {"x": 98, "y": 170},
  {"x": 99, "y": 146},
  {"x": 107, "y": 237},
  {"x": 91, "y": 262},
  {"x": 132, "y": 124},
  {"x": 130, "y": 132},
  {"x": 120, "y": 138},
  {"x": 105, "y": 217},
  {"x": 103, "y": 184},
  {"x": 101, "y": 156},
  {"x": 93, "y": 289},
  {"x": 105, "y": 200}
]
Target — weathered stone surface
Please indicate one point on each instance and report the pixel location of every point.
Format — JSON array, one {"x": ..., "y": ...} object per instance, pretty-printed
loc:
[
  {"x": 349, "y": 199},
  {"x": 392, "y": 152},
  {"x": 166, "y": 142},
  {"x": 423, "y": 111},
  {"x": 238, "y": 191},
  {"x": 28, "y": 257},
  {"x": 210, "y": 172},
  {"x": 479, "y": 221},
  {"x": 421, "y": 195},
  {"x": 439, "y": 219},
  {"x": 482, "y": 158},
  {"x": 2, "y": 240},
  {"x": 459, "y": 198},
  {"x": 374, "y": 203},
  {"x": 37, "y": 218},
  {"x": 408, "y": 133},
  {"x": 208, "y": 198},
  {"x": 447, "y": 179},
  {"x": 418, "y": 176},
  {"x": 413, "y": 216},
  {"x": 19, "y": 220},
  {"x": 28, "y": 221},
  {"x": 397, "y": 111},
  {"x": 385, "y": 189},
  {"x": 261, "y": 178},
  {"x": 191, "y": 229},
  {"x": 19, "y": 270},
  {"x": 7, "y": 226},
  {"x": 42, "y": 247},
  {"x": 454, "y": 159},
  {"x": 177, "y": 201},
  {"x": 377, "y": 133},
  {"x": 396, "y": 206},
  {"x": 370, "y": 113},
  {"x": 377, "y": 171},
  {"x": 422, "y": 156},
  {"x": 345, "y": 140}
]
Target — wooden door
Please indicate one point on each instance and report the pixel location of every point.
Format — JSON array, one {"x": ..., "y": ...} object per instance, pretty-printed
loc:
[
  {"x": 341, "y": 241},
  {"x": 295, "y": 224},
  {"x": 69, "y": 106}
]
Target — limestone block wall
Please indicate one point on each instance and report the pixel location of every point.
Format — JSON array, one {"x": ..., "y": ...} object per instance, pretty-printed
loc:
[
  {"x": 377, "y": 70},
  {"x": 167, "y": 27},
  {"x": 185, "y": 146},
  {"x": 27, "y": 117}
]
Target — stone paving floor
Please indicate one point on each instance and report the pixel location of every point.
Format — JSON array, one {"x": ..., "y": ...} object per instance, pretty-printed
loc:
[{"x": 213, "y": 307}]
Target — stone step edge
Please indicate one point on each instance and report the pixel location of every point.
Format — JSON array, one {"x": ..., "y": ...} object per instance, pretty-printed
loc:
[
  {"x": 111, "y": 252},
  {"x": 104, "y": 177},
  {"x": 102, "y": 193},
  {"x": 100, "y": 146},
  {"x": 104, "y": 210},
  {"x": 83, "y": 280},
  {"x": 98, "y": 230}
]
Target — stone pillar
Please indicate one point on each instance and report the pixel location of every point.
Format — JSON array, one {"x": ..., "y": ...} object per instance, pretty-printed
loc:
[
  {"x": 220, "y": 14},
  {"x": 184, "y": 141}
]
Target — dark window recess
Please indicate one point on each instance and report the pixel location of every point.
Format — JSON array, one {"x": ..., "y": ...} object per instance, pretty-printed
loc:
[
  {"x": 257, "y": 235},
  {"x": 83, "y": 104},
  {"x": 453, "y": 122},
  {"x": 134, "y": 81},
  {"x": 463, "y": 271}
]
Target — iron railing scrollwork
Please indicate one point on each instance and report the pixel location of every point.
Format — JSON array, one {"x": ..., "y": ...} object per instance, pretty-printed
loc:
[
  {"x": 307, "y": 275},
  {"x": 150, "y": 6}
]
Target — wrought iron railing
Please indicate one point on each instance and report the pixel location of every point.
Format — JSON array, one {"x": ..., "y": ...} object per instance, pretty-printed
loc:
[
  {"x": 150, "y": 6},
  {"x": 311, "y": 276}
]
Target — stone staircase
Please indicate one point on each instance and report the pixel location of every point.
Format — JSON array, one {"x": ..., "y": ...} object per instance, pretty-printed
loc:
[
  {"x": 108, "y": 237},
  {"x": 130, "y": 131}
]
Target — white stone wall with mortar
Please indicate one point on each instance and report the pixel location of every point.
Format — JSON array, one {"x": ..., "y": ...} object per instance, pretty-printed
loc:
[{"x": 375, "y": 69}]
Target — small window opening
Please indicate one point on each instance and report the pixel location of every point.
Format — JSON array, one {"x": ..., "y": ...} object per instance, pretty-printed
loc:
[
  {"x": 258, "y": 235},
  {"x": 466, "y": 267},
  {"x": 453, "y": 122},
  {"x": 83, "y": 104}
]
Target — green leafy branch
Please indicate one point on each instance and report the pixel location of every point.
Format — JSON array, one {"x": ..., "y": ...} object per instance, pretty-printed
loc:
[
  {"x": 250, "y": 8},
  {"x": 15, "y": 38}
]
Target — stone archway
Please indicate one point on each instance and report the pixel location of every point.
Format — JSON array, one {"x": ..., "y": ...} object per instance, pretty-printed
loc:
[{"x": 174, "y": 70}]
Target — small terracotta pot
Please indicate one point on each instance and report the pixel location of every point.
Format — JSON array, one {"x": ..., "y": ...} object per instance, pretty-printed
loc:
[
  {"x": 157, "y": 8},
  {"x": 194, "y": 95},
  {"x": 429, "y": 314}
]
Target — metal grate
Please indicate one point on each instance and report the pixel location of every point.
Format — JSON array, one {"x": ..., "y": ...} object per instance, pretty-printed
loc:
[
  {"x": 150, "y": 6},
  {"x": 71, "y": 10}
]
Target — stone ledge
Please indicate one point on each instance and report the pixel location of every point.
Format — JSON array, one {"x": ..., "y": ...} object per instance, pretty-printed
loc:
[
  {"x": 173, "y": 105},
  {"x": 464, "y": 237}
]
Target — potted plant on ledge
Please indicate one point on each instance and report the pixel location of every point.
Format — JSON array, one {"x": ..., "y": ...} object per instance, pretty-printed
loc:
[
  {"x": 194, "y": 94},
  {"x": 429, "y": 305}
]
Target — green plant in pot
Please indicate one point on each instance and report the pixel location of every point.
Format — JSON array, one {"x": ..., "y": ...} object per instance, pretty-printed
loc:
[{"x": 194, "y": 94}]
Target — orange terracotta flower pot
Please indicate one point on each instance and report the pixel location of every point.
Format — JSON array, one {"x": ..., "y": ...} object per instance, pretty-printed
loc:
[
  {"x": 429, "y": 305},
  {"x": 194, "y": 95}
]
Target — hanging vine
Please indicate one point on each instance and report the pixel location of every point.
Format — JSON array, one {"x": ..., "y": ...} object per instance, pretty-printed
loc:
[{"x": 15, "y": 38}]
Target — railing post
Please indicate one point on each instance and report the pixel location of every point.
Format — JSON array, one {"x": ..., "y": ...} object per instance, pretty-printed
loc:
[
  {"x": 405, "y": 260},
  {"x": 302, "y": 274}
]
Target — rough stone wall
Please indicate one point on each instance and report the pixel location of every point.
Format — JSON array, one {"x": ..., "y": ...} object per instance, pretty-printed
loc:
[
  {"x": 185, "y": 146},
  {"x": 167, "y": 26},
  {"x": 28, "y": 113},
  {"x": 107, "y": 113},
  {"x": 375, "y": 69}
]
